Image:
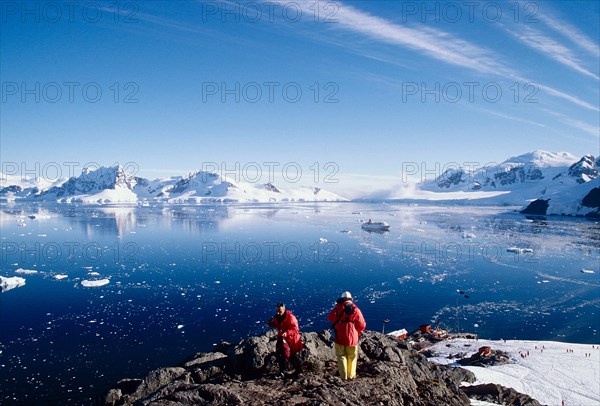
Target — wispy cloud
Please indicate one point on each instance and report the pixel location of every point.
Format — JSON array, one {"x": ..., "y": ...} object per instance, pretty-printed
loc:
[
  {"x": 575, "y": 100},
  {"x": 577, "y": 124},
  {"x": 537, "y": 40},
  {"x": 433, "y": 43},
  {"x": 571, "y": 33},
  {"x": 441, "y": 46},
  {"x": 580, "y": 125},
  {"x": 512, "y": 118}
]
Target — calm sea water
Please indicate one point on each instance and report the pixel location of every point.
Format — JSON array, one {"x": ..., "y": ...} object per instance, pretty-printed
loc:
[{"x": 184, "y": 278}]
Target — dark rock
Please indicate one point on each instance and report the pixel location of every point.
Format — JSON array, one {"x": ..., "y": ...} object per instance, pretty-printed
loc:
[
  {"x": 499, "y": 394},
  {"x": 592, "y": 199},
  {"x": 388, "y": 373},
  {"x": 496, "y": 357},
  {"x": 11, "y": 189},
  {"x": 451, "y": 177},
  {"x": 539, "y": 207},
  {"x": 585, "y": 166},
  {"x": 272, "y": 188},
  {"x": 113, "y": 397},
  {"x": 127, "y": 386},
  {"x": 455, "y": 374},
  {"x": 207, "y": 359},
  {"x": 155, "y": 380},
  {"x": 519, "y": 174}
]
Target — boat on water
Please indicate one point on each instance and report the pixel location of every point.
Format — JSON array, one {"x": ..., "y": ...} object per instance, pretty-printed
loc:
[{"x": 375, "y": 226}]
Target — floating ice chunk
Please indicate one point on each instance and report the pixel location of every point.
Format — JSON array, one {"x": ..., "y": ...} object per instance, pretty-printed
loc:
[
  {"x": 10, "y": 283},
  {"x": 179, "y": 326},
  {"x": 86, "y": 283},
  {"x": 323, "y": 240},
  {"x": 587, "y": 271},
  {"x": 26, "y": 271},
  {"x": 93, "y": 273},
  {"x": 60, "y": 276},
  {"x": 519, "y": 250}
]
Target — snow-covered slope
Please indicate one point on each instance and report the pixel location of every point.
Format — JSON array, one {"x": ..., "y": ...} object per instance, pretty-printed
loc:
[
  {"x": 114, "y": 185},
  {"x": 516, "y": 181},
  {"x": 550, "y": 374},
  {"x": 580, "y": 200}
]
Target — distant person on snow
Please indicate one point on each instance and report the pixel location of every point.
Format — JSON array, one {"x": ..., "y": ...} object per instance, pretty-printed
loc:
[
  {"x": 289, "y": 342},
  {"x": 348, "y": 324}
]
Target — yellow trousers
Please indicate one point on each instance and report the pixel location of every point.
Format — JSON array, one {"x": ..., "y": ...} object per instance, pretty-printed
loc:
[{"x": 346, "y": 357}]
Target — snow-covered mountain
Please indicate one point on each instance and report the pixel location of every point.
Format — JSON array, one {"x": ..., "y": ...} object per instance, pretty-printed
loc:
[
  {"x": 114, "y": 185},
  {"x": 559, "y": 178},
  {"x": 516, "y": 181},
  {"x": 530, "y": 173},
  {"x": 111, "y": 184},
  {"x": 13, "y": 187}
]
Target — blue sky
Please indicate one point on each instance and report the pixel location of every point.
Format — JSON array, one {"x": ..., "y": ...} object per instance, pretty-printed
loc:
[{"x": 381, "y": 82}]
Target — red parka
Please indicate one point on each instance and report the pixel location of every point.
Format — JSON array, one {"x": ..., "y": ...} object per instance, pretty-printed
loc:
[
  {"x": 349, "y": 327},
  {"x": 288, "y": 325}
]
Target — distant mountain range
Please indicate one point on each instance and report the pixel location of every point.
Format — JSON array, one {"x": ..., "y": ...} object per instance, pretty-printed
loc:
[
  {"x": 565, "y": 183},
  {"x": 108, "y": 185},
  {"x": 561, "y": 179},
  {"x": 541, "y": 182}
]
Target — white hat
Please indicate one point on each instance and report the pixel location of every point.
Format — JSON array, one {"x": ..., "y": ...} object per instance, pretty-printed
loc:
[{"x": 346, "y": 295}]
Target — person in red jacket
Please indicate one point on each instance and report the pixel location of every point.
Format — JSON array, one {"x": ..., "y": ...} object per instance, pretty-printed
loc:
[
  {"x": 289, "y": 342},
  {"x": 348, "y": 324}
]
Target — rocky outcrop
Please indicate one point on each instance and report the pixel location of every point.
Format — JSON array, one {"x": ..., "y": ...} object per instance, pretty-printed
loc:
[
  {"x": 592, "y": 199},
  {"x": 499, "y": 394},
  {"x": 451, "y": 177},
  {"x": 496, "y": 357},
  {"x": 519, "y": 174},
  {"x": 537, "y": 207},
  {"x": 246, "y": 373},
  {"x": 585, "y": 169}
]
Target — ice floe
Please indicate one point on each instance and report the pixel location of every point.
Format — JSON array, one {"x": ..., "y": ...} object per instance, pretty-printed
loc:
[
  {"x": 26, "y": 271},
  {"x": 86, "y": 283},
  {"x": 10, "y": 283},
  {"x": 519, "y": 250}
]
